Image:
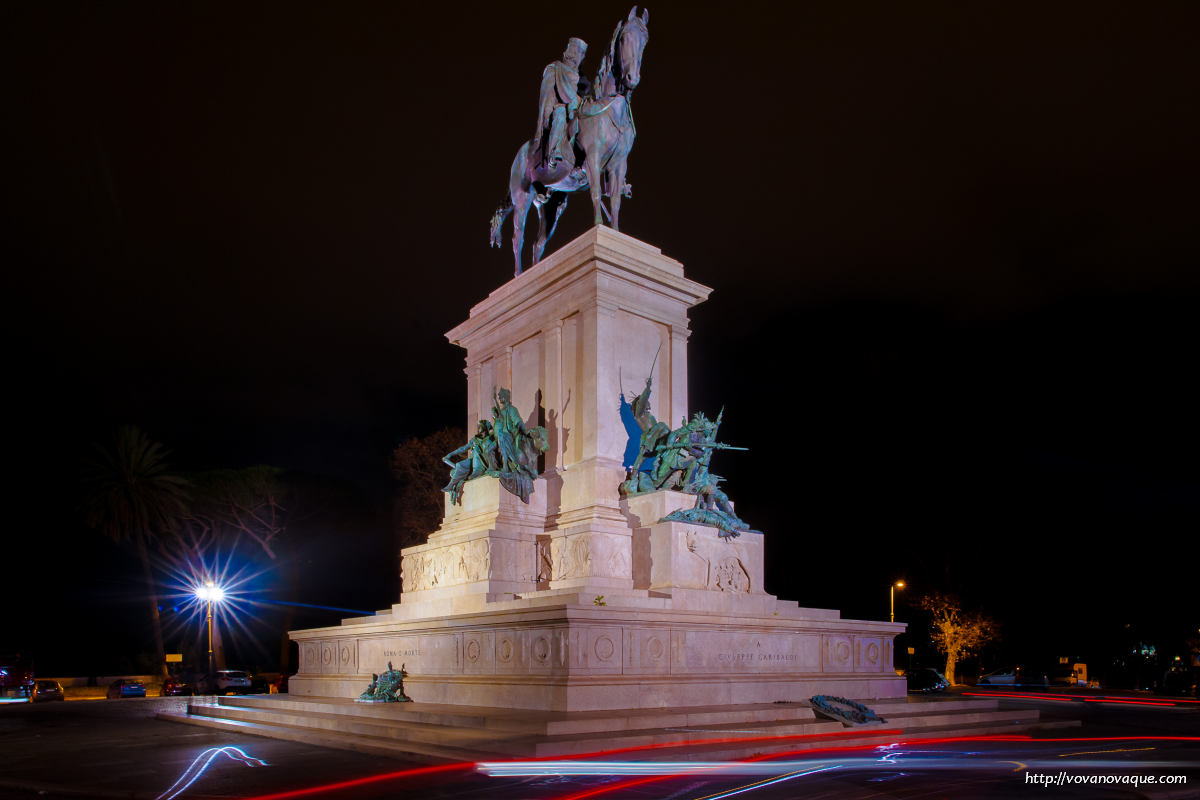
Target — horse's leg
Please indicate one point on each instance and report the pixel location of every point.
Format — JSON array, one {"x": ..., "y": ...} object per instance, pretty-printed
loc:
[
  {"x": 521, "y": 202},
  {"x": 616, "y": 185},
  {"x": 520, "y": 192},
  {"x": 560, "y": 205},
  {"x": 543, "y": 235},
  {"x": 551, "y": 211},
  {"x": 592, "y": 167}
]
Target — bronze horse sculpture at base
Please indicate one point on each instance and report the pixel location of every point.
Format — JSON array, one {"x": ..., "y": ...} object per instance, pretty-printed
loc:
[{"x": 605, "y": 138}]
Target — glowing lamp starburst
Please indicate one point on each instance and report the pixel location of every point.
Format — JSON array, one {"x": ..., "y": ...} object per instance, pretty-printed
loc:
[{"x": 210, "y": 593}]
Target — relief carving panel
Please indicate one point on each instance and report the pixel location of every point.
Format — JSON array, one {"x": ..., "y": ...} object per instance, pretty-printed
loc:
[
  {"x": 836, "y": 654},
  {"x": 479, "y": 653},
  {"x": 453, "y": 565},
  {"x": 510, "y": 652},
  {"x": 869, "y": 654},
  {"x": 573, "y": 557},
  {"x": 544, "y": 560},
  {"x": 543, "y": 654},
  {"x": 347, "y": 656},
  {"x": 729, "y": 575},
  {"x": 647, "y": 651},
  {"x": 310, "y": 657}
]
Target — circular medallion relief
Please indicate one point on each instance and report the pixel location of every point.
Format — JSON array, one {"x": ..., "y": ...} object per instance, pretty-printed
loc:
[
  {"x": 541, "y": 648},
  {"x": 872, "y": 653},
  {"x": 505, "y": 651},
  {"x": 604, "y": 648},
  {"x": 326, "y": 655},
  {"x": 473, "y": 650},
  {"x": 654, "y": 648},
  {"x": 345, "y": 655},
  {"x": 842, "y": 651}
]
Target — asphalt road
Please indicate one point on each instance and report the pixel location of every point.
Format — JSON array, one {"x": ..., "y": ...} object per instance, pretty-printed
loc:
[{"x": 117, "y": 749}]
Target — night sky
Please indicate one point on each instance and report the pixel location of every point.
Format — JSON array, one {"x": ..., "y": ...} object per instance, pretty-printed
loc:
[{"x": 953, "y": 249}]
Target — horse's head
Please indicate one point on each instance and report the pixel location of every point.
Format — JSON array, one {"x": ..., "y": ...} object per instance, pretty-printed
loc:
[{"x": 629, "y": 40}]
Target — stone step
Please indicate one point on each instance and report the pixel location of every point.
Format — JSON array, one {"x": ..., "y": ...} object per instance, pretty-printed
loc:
[
  {"x": 660, "y": 741},
  {"x": 356, "y": 726},
  {"x": 532, "y": 722},
  {"x": 473, "y": 734},
  {"x": 359, "y": 744},
  {"x": 819, "y": 730}
]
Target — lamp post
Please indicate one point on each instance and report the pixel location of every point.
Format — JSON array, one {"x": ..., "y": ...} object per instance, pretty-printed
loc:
[
  {"x": 894, "y": 587},
  {"x": 210, "y": 593}
]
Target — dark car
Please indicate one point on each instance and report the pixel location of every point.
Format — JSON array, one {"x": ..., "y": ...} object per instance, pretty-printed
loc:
[
  {"x": 48, "y": 690},
  {"x": 174, "y": 687},
  {"x": 1180, "y": 682},
  {"x": 16, "y": 680},
  {"x": 1015, "y": 676},
  {"x": 124, "y": 687},
  {"x": 926, "y": 680}
]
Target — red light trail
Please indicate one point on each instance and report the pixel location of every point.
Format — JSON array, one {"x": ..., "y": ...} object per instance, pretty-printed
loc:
[
  {"x": 642, "y": 781},
  {"x": 1066, "y": 698}
]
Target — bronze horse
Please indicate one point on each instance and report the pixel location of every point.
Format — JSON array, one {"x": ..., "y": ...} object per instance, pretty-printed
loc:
[{"x": 605, "y": 137}]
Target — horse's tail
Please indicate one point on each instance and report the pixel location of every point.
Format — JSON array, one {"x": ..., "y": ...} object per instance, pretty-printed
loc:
[{"x": 498, "y": 220}]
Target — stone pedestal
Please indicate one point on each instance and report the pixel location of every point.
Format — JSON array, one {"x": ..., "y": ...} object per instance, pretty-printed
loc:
[
  {"x": 485, "y": 551},
  {"x": 579, "y": 600},
  {"x": 569, "y": 336}
]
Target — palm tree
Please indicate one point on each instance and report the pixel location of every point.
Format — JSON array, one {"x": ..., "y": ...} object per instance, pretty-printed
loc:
[{"x": 132, "y": 498}]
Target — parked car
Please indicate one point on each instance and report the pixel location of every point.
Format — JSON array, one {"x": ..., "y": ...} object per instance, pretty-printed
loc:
[
  {"x": 232, "y": 681},
  {"x": 16, "y": 680},
  {"x": 926, "y": 680},
  {"x": 48, "y": 690},
  {"x": 1014, "y": 676},
  {"x": 1181, "y": 682},
  {"x": 174, "y": 686},
  {"x": 124, "y": 687}
]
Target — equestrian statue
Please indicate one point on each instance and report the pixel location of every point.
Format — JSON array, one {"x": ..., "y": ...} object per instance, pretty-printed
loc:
[{"x": 582, "y": 139}]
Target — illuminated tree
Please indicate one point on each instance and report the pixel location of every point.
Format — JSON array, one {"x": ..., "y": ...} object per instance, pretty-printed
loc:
[
  {"x": 956, "y": 633},
  {"x": 131, "y": 496}
]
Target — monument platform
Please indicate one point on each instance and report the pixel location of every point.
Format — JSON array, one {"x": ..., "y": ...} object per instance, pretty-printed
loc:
[
  {"x": 564, "y": 652},
  {"x": 468, "y": 733},
  {"x": 581, "y": 600}
]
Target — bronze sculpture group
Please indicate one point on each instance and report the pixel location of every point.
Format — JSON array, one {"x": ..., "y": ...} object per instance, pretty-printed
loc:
[
  {"x": 386, "y": 688},
  {"x": 501, "y": 448},
  {"x": 667, "y": 460},
  {"x": 584, "y": 134},
  {"x": 678, "y": 460}
]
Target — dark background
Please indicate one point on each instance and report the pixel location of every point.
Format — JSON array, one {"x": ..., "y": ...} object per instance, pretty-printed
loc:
[{"x": 953, "y": 251}]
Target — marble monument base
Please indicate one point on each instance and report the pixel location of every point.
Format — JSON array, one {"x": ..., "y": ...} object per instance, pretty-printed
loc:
[
  {"x": 580, "y": 600},
  {"x": 569, "y": 654},
  {"x": 482, "y": 627}
]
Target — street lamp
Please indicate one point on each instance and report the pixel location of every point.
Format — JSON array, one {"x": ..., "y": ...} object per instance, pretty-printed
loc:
[
  {"x": 895, "y": 586},
  {"x": 209, "y": 594}
]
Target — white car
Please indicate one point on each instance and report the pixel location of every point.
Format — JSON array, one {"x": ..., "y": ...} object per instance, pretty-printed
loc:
[{"x": 232, "y": 681}]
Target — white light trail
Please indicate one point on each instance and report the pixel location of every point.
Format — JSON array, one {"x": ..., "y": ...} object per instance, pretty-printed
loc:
[
  {"x": 201, "y": 763},
  {"x": 761, "y": 784}
]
